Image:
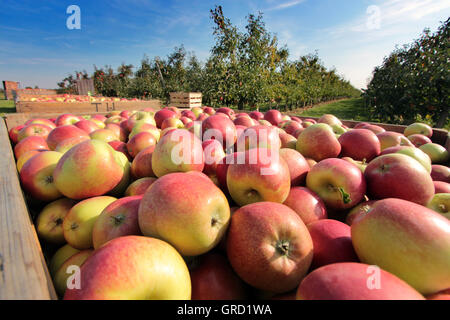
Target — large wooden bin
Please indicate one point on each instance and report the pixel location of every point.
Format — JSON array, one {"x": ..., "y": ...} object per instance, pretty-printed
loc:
[
  {"x": 23, "y": 270},
  {"x": 185, "y": 99}
]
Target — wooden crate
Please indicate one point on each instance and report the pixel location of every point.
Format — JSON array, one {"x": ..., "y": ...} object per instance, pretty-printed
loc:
[{"x": 185, "y": 99}]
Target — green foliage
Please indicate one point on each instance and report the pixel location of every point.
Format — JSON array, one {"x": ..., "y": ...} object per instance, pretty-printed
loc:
[
  {"x": 414, "y": 81},
  {"x": 247, "y": 69}
]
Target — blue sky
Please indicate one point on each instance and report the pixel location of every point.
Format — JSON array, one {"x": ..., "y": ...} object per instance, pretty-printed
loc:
[{"x": 36, "y": 47}]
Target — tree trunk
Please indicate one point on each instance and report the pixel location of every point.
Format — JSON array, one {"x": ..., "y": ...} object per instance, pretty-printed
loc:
[{"x": 442, "y": 119}]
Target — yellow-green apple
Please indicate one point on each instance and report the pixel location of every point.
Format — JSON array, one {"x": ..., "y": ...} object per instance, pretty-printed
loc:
[
  {"x": 139, "y": 186},
  {"x": 338, "y": 183},
  {"x": 220, "y": 128},
  {"x": 213, "y": 154},
  {"x": 35, "y": 129},
  {"x": 60, "y": 256},
  {"x": 264, "y": 123},
  {"x": 62, "y": 133},
  {"x": 400, "y": 176},
  {"x": 373, "y": 127},
  {"x": 118, "y": 219},
  {"x": 114, "y": 120},
  {"x": 306, "y": 204},
  {"x": 122, "y": 185},
  {"x": 121, "y": 147},
  {"x": 441, "y": 187},
  {"x": 197, "y": 111},
  {"x": 212, "y": 278},
  {"x": 298, "y": 167},
  {"x": 269, "y": 246},
  {"x": 338, "y": 129},
  {"x": 413, "y": 152},
  {"x": 318, "y": 142},
  {"x": 259, "y": 137},
  {"x": 91, "y": 168},
  {"x": 437, "y": 153},
  {"x": 227, "y": 111},
  {"x": 66, "y": 119},
  {"x": 98, "y": 122},
  {"x": 28, "y": 144},
  {"x": 360, "y": 144},
  {"x": 418, "y": 128},
  {"x": 131, "y": 268},
  {"x": 87, "y": 126},
  {"x": 79, "y": 221},
  {"x": 392, "y": 139},
  {"x": 441, "y": 204},
  {"x": 287, "y": 141},
  {"x": 120, "y": 132},
  {"x": 25, "y": 157},
  {"x": 245, "y": 121},
  {"x": 145, "y": 127},
  {"x": 172, "y": 122},
  {"x": 408, "y": 240},
  {"x": 162, "y": 115},
  {"x": 418, "y": 139},
  {"x": 104, "y": 135},
  {"x": 61, "y": 276},
  {"x": 332, "y": 242},
  {"x": 256, "y": 115},
  {"x": 311, "y": 162},
  {"x": 354, "y": 281},
  {"x": 178, "y": 151},
  {"x": 273, "y": 116},
  {"x": 141, "y": 166},
  {"x": 69, "y": 143},
  {"x": 187, "y": 210},
  {"x": 47, "y": 122},
  {"x": 361, "y": 209},
  {"x": 258, "y": 175},
  {"x": 140, "y": 116},
  {"x": 360, "y": 164},
  {"x": 13, "y": 133},
  {"x": 37, "y": 176},
  {"x": 50, "y": 219},
  {"x": 440, "y": 173},
  {"x": 329, "y": 119}
]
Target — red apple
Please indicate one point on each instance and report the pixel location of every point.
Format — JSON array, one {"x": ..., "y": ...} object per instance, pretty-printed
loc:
[
  {"x": 360, "y": 144},
  {"x": 440, "y": 173},
  {"x": 139, "y": 142},
  {"x": 441, "y": 187},
  {"x": 298, "y": 167},
  {"x": 121, "y": 147},
  {"x": 62, "y": 133},
  {"x": 34, "y": 129},
  {"x": 372, "y": 127},
  {"x": 419, "y": 139},
  {"x": 13, "y": 133},
  {"x": 213, "y": 154},
  {"x": 306, "y": 204},
  {"x": 273, "y": 116},
  {"x": 139, "y": 186},
  {"x": 141, "y": 166},
  {"x": 66, "y": 119},
  {"x": 173, "y": 123},
  {"x": 28, "y": 144},
  {"x": 358, "y": 211},
  {"x": 329, "y": 119},
  {"x": 221, "y": 129},
  {"x": 244, "y": 121},
  {"x": 162, "y": 115},
  {"x": 318, "y": 142},
  {"x": 225, "y": 110},
  {"x": 256, "y": 115},
  {"x": 87, "y": 126}
]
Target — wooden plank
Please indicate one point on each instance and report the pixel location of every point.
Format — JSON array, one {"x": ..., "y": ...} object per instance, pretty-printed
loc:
[{"x": 23, "y": 272}]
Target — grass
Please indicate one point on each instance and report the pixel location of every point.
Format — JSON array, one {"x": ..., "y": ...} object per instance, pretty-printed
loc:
[
  {"x": 6, "y": 106},
  {"x": 348, "y": 109}
]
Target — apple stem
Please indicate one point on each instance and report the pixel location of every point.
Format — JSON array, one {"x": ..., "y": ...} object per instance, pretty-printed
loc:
[{"x": 345, "y": 196}]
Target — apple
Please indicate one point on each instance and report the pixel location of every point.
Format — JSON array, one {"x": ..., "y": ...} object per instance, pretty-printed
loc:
[
  {"x": 121, "y": 146},
  {"x": 126, "y": 113},
  {"x": 188, "y": 114},
  {"x": 362, "y": 165},
  {"x": 227, "y": 111},
  {"x": 139, "y": 186},
  {"x": 354, "y": 281},
  {"x": 62, "y": 133},
  {"x": 311, "y": 162},
  {"x": 318, "y": 142},
  {"x": 441, "y": 187},
  {"x": 50, "y": 219},
  {"x": 298, "y": 167},
  {"x": 98, "y": 122},
  {"x": 25, "y": 157},
  {"x": 418, "y": 128},
  {"x": 121, "y": 133},
  {"x": 244, "y": 121},
  {"x": 220, "y": 128},
  {"x": 66, "y": 119},
  {"x": 207, "y": 110},
  {"x": 437, "y": 153},
  {"x": 287, "y": 141},
  {"x": 141, "y": 166},
  {"x": 187, "y": 210},
  {"x": 204, "y": 116},
  {"x": 441, "y": 204},
  {"x": 44, "y": 121},
  {"x": 292, "y": 127},
  {"x": 172, "y": 122},
  {"x": 222, "y": 169},
  {"x": 28, "y": 144},
  {"x": 413, "y": 152},
  {"x": 392, "y": 139},
  {"x": 177, "y": 151},
  {"x": 115, "y": 120},
  {"x": 440, "y": 173},
  {"x": 162, "y": 115},
  {"x": 256, "y": 115},
  {"x": 408, "y": 240},
  {"x": 259, "y": 137},
  {"x": 91, "y": 168},
  {"x": 397, "y": 175},
  {"x": 133, "y": 267},
  {"x": 35, "y": 129},
  {"x": 213, "y": 154},
  {"x": 104, "y": 135},
  {"x": 273, "y": 116},
  {"x": 330, "y": 120},
  {"x": 79, "y": 221},
  {"x": 337, "y": 182},
  {"x": 37, "y": 176},
  {"x": 14, "y": 132},
  {"x": 67, "y": 144},
  {"x": 418, "y": 139},
  {"x": 139, "y": 142},
  {"x": 360, "y": 210},
  {"x": 140, "y": 117},
  {"x": 197, "y": 111},
  {"x": 306, "y": 204},
  {"x": 332, "y": 242},
  {"x": 373, "y": 127},
  {"x": 258, "y": 175},
  {"x": 123, "y": 184},
  {"x": 269, "y": 246},
  {"x": 360, "y": 144},
  {"x": 145, "y": 127},
  {"x": 118, "y": 219},
  {"x": 62, "y": 275},
  {"x": 213, "y": 278},
  {"x": 360, "y": 124},
  {"x": 60, "y": 256}
]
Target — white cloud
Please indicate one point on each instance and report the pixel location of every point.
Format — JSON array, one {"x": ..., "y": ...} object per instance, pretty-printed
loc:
[{"x": 285, "y": 5}]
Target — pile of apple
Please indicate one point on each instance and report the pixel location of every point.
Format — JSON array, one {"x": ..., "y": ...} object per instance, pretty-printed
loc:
[
  {"x": 211, "y": 204},
  {"x": 70, "y": 98}
]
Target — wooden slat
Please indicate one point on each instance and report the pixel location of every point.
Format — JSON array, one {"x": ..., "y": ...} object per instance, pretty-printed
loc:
[{"x": 23, "y": 272}]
